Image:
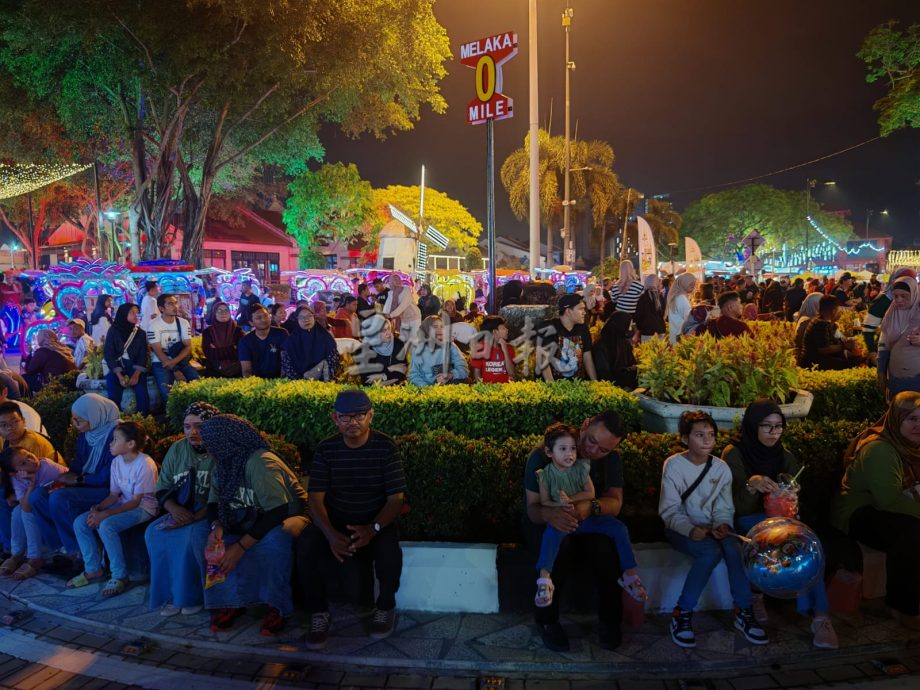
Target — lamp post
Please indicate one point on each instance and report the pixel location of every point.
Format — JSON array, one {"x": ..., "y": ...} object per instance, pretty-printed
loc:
[
  {"x": 113, "y": 215},
  {"x": 869, "y": 213},
  {"x": 13, "y": 248},
  {"x": 673, "y": 246},
  {"x": 568, "y": 245}
]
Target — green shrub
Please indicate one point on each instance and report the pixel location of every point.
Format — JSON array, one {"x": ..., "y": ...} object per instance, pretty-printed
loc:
[
  {"x": 53, "y": 403},
  {"x": 300, "y": 409},
  {"x": 850, "y": 394}
]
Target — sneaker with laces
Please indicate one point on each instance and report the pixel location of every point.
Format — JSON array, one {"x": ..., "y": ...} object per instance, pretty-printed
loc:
[
  {"x": 191, "y": 610},
  {"x": 319, "y": 631},
  {"x": 169, "y": 610},
  {"x": 682, "y": 628},
  {"x": 760, "y": 609},
  {"x": 382, "y": 623},
  {"x": 273, "y": 623},
  {"x": 825, "y": 635},
  {"x": 745, "y": 623}
]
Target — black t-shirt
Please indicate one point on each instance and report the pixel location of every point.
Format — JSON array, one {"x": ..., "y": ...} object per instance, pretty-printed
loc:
[
  {"x": 246, "y": 301},
  {"x": 842, "y": 297},
  {"x": 565, "y": 348},
  {"x": 606, "y": 472},
  {"x": 265, "y": 355},
  {"x": 356, "y": 481}
]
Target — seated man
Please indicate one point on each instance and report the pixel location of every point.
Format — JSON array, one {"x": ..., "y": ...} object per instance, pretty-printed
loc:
[
  {"x": 82, "y": 343},
  {"x": 820, "y": 345},
  {"x": 355, "y": 495},
  {"x": 597, "y": 442},
  {"x": 729, "y": 322}
]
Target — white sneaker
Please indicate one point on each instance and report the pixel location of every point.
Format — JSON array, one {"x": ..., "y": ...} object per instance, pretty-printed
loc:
[
  {"x": 825, "y": 635},
  {"x": 191, "y": 610},
  {"x": 169, "y": 610}
]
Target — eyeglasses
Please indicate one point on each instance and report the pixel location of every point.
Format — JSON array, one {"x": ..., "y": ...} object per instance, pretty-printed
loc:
[
  {"x": 349, "y": 418},
  {"x": 772, "y": 428}
]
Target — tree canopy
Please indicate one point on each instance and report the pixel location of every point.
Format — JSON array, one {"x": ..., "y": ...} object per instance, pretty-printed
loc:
[
  {"x": 894, "y": 56},
  {"x": 446, "y": 214},
  {"x": 198, "y": 93}
]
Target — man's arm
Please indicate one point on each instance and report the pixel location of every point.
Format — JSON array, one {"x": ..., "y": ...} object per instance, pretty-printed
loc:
[
  {"x": 589, "y": 366},
  {"x": 338, "y": 542},
  {"x": 563, "y": 519}
]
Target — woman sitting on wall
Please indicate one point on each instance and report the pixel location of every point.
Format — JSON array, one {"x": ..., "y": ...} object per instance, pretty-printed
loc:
[
  {"x": 435, "y": 362},
  {"x": 220, "y": 341},
  {"x": 310, "y": 352}
]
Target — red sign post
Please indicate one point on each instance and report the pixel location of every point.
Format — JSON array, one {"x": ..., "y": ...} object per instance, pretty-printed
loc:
[{"x": 486, "y": 56}]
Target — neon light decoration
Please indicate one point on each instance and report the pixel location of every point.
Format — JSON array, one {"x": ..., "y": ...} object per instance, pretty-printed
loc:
[{"x": 305, "y": 285}]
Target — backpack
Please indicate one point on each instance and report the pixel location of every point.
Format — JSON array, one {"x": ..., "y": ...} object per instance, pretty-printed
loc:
[{"x": 696, "y": 321}]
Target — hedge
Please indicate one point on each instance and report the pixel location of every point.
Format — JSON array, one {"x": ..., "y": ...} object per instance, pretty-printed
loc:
[
  {"x": 300, "y": 409},
  {"x": 851, "y": 394}
]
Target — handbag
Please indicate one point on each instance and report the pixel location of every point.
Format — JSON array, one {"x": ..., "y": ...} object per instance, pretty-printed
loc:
[
  {"x": 690, "y": 489},
  {"x": 126, "y": 364},
  {"x": 177, "y": 347},
  {"x": 183, "y": 492},
  {"x": 242, "y": 520}
]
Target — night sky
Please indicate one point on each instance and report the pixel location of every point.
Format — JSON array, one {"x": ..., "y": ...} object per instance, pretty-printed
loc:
[{"x": 690, "y": 93}]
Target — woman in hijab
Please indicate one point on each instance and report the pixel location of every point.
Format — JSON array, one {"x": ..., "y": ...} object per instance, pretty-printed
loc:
[
  {"x": 898, "y": 351},
  {"x": 182, "y": 492},
  {"x": 873, "y": 318},
  {"x": 806, "y": 313},
  {"x": 220, "y": 341},
  {"x": 125, "y": 354},
  {"x": 101, "y": 320},
  {"x": 756, "y": 457},
  {"x": 381, "y": 359},
  {"x": 649, "y": 315},
  {"x": 51, "y": 358},
  {"x": 879, "y": 503},
  {"x": 320, "y": 314},
  {"x": 86, "y": 483},
  {"x": 310, "y": 352},
  {"x": 434, "y": 364},
  {"x": 428, "y": 302},
  {"x": 678, "y": 304},
  {"x": 625, "y": 292},
  {"x": 256, "y": 507}
]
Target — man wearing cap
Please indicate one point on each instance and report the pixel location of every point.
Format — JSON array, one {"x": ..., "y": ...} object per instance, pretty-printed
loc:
[
  {"x": 355, "y": 495},
  {"x": 82, "y": 343},
  {"x": 844, "y": 285},
  {"x": 564, "y": 343}
]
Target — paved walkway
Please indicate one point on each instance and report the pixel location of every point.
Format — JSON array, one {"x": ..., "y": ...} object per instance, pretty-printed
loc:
[{"x": 443, "y": 650}]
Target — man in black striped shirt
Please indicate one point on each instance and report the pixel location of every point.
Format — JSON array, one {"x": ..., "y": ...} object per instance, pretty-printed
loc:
[{"x": 356, "y": 493}]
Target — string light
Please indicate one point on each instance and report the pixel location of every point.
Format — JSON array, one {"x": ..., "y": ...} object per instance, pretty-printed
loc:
[
  {"x": 841, "y": 248},
  {"x": 21, "y": 178}
]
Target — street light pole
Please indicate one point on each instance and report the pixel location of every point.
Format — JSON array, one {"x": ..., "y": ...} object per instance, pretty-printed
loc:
[
  {"x": 568, "y": 244},
  {"x": 534, "y": 144},
  {"x": 809, "y": 185}
]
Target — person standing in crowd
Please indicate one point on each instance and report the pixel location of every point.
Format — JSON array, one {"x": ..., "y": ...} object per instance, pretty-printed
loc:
[
  {"x": 748, "y": 290},
  {"x": 649, "y": 315},
  {"x": 170, "y": 340},
  {"x": 150, "y": 307},
  {"x": 256, "y": 507},
  {"x": 428, "y": 302},
  {"x": 899, "y": 343},
  {"x": 614, "y": 358},
  {"x": 493, "y": 359},
  {"x": 365, "y": 308},
  {"x": 82, "y": 343},
  {"x": 381, "y": 292},
  {"x": 220, "y": 342},
  {"x": 756, "y": 458},
  {"x": 310, "y": 351},
  {"x": 729, "y": 322},
  {"x": 843, "y": 289},
  {"x": 626, "y": 291},
  {"x": 183, "y": 486},
  {"x": 678, "y": 304},
  {"x": 260, "y": 349},
  {"x": 564, "y": 344},
  {"x": 402, "y": 308},
  {"x": 435, "y": 362},
  {"x": 125, "y": 354},
  {"x": 793, "y": 299},
  {"x": 247, "y": 299},
  {"x": 381, "y": 359},
  {"x": 51, "y": 358},
  {"x": 101, "y": 320},
  {"x": 771, "y": 300},
  {"x": 357, "y": 488},
  {"x": 879, "y": 503}
]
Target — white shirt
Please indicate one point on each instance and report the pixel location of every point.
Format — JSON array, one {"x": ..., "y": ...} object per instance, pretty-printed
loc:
[
  {"x": 709, "y": 505},
  {"x": 677, "y": 316},
  {"x": 149, "y": 312},
  {"x": 81, "y": 348},
  {"x": 135, "y": 478},
  {"x": 405, "y": 308},
  {"x": 167, "y": 334}
]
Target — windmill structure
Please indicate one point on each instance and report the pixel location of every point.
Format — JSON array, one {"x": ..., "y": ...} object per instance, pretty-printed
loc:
[{"x": 420, "y": 233}]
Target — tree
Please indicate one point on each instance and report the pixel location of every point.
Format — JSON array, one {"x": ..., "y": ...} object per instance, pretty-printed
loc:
[
  {"x": 447, "y": 215},
  {"x": 332, "y": 204},
  {"x": 894, "y": 56},
  {"x": 199, "y": 93},
  {"x": 473, "y": 259}
]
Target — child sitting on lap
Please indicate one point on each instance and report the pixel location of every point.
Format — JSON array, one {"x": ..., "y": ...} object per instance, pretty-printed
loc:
[{"x": 562, "y": 482}]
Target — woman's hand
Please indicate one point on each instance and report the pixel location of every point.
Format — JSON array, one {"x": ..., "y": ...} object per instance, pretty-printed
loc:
[
  {"x": 180, "y": 516},
  {"x": 231, "y": 558},
  {"x": 721, "y": 531},
  {"x": 763, "y": 485},
  {"x": 698, "y": 533},
  {"x": 135, "y": 377},
  {"x": 216, "y": 536}
]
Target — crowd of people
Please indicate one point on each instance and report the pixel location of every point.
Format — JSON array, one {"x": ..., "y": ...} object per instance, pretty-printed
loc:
[{"x": 225, "y": 523}]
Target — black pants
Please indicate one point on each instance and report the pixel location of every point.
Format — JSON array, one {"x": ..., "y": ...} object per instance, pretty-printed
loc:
[
  {"x": 596, "y": 552},
  {"x": 315, "y": 563},
  {"x": 899, "y": 537}
]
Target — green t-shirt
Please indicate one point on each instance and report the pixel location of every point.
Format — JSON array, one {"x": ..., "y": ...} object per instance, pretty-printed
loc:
[
  {"x": 876, "y": 478},
  {"x": 267, "y": 484},
  {"x": 571, "y": 481},
  {"x": 180, "y": 458}
]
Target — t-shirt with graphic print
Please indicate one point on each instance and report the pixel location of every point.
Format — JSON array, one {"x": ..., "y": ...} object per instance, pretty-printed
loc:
[
  {"x": 565, "y": 348},
  {"x": 180, "y": 459}
]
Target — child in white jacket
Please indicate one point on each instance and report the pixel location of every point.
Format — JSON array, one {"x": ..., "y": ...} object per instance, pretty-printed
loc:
[{"x": 697, "y": 509}]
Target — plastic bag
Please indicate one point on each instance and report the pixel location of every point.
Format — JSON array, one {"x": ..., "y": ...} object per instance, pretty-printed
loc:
[{"x": 213, "y": 557}]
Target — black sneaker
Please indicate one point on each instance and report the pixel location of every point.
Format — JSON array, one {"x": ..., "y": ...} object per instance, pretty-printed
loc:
[
  {"x": 382, "y": 623},
  {"x": 318, "y": 635},
  {"x": 745, "y": 623},
  {"x": 682, "y": 628},
  {"x": 554, "y": 636},
  {"x": 609, "y": 636}
]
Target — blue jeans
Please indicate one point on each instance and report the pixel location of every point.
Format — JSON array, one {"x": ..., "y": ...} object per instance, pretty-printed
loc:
[
  {"x": 706, "y": 555},
  {"x": 116, "y": 391},
  {"x": 601, "y": 524},
  {"x": 165, "y": 377},
  {"x": 110, "y": 534},
  {"x": 6, "y": 531},
  {"x": 815, "y": 599},
  {"x": 57, "y": 510},
  {"x": 27, "y": 536}
]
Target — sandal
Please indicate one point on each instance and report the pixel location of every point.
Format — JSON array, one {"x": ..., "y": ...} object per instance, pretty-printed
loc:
[
  {"x": 545, "y": 589},
  {"x": 273, "y": 623},
  {"x": 24, "y": 572},
  {"x": 114, "y": 587},
  {"x": 634, "y": 588},
  {"x": 222, "y": 619},
  {"x": 82, "y": 580},
  {"x": 11, "y": 565}
]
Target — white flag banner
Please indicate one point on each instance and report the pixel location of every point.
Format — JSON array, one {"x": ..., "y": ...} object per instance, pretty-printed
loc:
[
  {"x": 648, "y": 260},
  {"x": 694, "y": 258}
]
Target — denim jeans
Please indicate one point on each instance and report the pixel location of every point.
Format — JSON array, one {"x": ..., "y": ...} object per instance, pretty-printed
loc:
[
  {"x": 706, "y": 555},
  {"x": 166, "y": 378},
  {"x": 110, "y": 534},
  {"x": 27, "y": 536},
  {"x": 56, "y": 511},
  {"x": 116, "y": 391},
  {"x": 815, "y": 599},
  {"x": 602, "y": 524},
  {"x": 6, "y": 532}
]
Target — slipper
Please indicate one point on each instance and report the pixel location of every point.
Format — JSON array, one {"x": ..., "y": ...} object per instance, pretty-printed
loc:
[
  {"x": 10, "y": 565},
  {"x": 545, "y": 589},
  {"x": 634, "y": 588},
  {"x": 82, "y": 580},
  {"x": 24, "y": 572},
  {"x": 114, "y": 587}
]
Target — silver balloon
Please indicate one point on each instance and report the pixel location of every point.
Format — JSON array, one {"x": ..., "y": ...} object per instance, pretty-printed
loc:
[{"x": 783, "y": 557}]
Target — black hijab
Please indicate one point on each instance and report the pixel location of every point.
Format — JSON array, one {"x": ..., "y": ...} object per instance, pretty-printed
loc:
[
  {"x": 122, "y": 325},
  {"x": 99, "y": 309},
  {"x": 758, "y": 458}
]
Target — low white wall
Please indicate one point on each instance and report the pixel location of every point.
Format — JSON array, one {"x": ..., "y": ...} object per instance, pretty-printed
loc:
[{"x": 444, "y": 576}]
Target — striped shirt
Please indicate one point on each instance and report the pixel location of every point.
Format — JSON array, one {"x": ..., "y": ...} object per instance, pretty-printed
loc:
[
  {"x": 628, "y": 300},
  {"x": 357, "y": 481}
]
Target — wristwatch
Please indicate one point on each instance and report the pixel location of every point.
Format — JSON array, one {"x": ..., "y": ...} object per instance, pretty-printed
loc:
[
  {"x": 376, "y": 528},
  {"x": 595, "y": 507}
]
